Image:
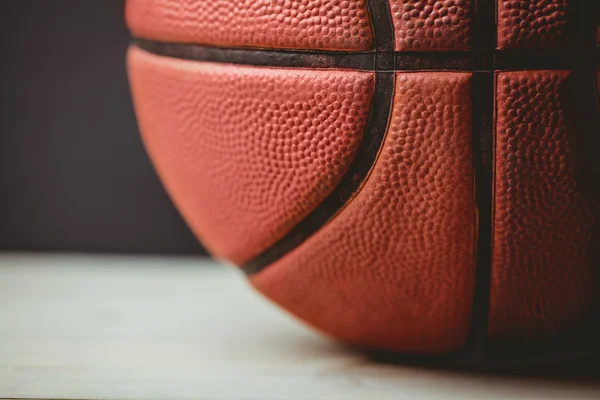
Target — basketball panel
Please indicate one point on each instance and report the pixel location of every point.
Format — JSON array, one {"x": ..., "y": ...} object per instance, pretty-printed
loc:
[
  {"x": 425, "y": 25},
  {"x": 534, "y": 23},
  {"x": 342, "y": 25},
  {"x": 247, "y": 152},
  {"x": 394, "y": 269},
  {"x": 545, "y": 255}
]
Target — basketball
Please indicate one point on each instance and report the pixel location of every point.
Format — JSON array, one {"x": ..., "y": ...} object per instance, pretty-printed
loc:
[{"x": 414, "y": 176}]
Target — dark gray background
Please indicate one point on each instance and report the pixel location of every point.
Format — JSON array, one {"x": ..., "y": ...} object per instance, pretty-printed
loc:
[{"x": 73, "y": 172}]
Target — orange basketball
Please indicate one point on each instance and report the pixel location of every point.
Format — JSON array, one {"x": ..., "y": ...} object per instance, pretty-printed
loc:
[{"x": 419, "y": 176}]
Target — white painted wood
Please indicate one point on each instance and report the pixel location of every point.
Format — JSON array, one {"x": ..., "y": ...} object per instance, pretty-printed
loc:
[{"x": 175, "y": 328}]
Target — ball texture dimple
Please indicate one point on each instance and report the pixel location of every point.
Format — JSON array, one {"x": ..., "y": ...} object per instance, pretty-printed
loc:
[
  {"x": 394, "y": 268},
  {"x": 534, "y": 23},
  {"x": 293, "y": 24},
  {"x": 247, "y": 152},
  {"x": 545, "y": 222},
  {"x": 426, "y": 25}
]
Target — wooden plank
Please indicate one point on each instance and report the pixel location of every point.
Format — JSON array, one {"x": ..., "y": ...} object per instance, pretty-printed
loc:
[{"x": 75, "y": 327}]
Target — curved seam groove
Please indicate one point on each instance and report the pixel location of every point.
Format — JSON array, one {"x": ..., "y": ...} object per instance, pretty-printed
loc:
[
  {"x": 366, "y": 155},
  {"x": 379, "y": 60}
]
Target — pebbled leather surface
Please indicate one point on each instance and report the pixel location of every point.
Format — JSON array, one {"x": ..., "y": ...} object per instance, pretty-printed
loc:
[
  {"x": 545, "y": 237},
  {"x": 394, "y": 269},
  {"x": 533, "y": 23},
  {"x": 432, "y": 24},
  {"x": 247, "y": 152},
  {"x": 290, "y": 24}
]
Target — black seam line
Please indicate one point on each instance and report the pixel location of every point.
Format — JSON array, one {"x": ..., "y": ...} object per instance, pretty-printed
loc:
[
  {"x": 485, "y": 60},
  {"x": 383, "y": 60},
  {"x": 260, "y": 57},
  {"x": 482, "y": 98},
  {"x": 380, "y": 16},
  {"x": 382, "y": 26},
  {"x": 373, "y": 135}
]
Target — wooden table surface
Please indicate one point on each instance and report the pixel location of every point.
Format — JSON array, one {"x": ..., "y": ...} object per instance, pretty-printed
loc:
[{"x": 88, "y": 327}]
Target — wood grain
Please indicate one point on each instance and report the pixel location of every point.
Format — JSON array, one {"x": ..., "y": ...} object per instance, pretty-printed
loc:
[{"x": 74, "y": 327}]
